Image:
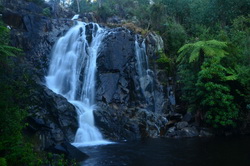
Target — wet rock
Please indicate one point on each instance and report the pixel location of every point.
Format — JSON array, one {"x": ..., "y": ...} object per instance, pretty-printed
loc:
[
  {"x": 130, "y": 124},
  {"x": 188, "y": 117},
  {"x": 88, "y": 17},
  {"x": 175, "y": 116},
  {"x": 155, "y": 43},
  {"x": 115, "y": 125},
  {"x": 33, "y": 8},
  {"x": 206, "y": 133},
  {"x": 35, "y": 124},
  {"x": 184, "y": 132},
  {"x": 188, "y": 132},
  {"x": 115, "y": 53},
  {"x": 170, "y": 123},
  {"x": 114, "y": 20},
  {"x": 109, "y": 85},
  {"x": 60, "y": 115},
  {"x": 74, "y": 153},
  {"x": 13, "y": 18},
  {"x": 181, "y": 125},
  {"x": 69, "y": 151},
  {"x": 171, "y": 129},
  {"x": 117, "y": 56},
  {"x": 171, "y": 132}
]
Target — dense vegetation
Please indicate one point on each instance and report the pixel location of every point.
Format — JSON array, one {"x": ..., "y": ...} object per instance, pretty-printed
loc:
[{"x": 14, "y": 149}]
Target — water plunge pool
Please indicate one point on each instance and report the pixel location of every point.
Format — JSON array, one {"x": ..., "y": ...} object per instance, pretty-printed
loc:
[{"x": 172, "y": 152}]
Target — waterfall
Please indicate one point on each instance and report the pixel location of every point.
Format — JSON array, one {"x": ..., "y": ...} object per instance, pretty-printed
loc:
[
  {"x": 72, "y": 75},
  {"x": 145, "y": 74},
  {"x": 141, "y": 58}
]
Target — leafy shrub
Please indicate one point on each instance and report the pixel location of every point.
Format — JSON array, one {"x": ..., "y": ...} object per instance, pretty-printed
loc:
[
  {"x": 47, "y": 12},
  {"x": 163, "y": 62},
  {"x": 135, "y": 28},
  {"x": 205, "y": 82},
  {"x": 13, "y": 147},
  {"x": 3, "y": 162}
]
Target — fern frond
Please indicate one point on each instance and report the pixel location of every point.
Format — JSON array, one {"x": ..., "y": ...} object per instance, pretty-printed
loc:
[
  {"x": 9, "y": 50},
  {"x": 183, "y": 52},
  {"x": 194, "y": 55}
]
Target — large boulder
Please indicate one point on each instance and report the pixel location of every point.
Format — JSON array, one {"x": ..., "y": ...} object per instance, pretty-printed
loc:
[
  {"x": 128, "y": 125},
  {"x": 53, "y": 113},
  {"x": 69, "y": 151}
]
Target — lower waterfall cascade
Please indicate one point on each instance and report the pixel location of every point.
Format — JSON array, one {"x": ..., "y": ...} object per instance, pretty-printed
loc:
[{"x": 72, "y": 75}]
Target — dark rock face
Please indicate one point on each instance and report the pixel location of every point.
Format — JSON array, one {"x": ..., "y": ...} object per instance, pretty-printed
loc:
[
  {"x": 116, "y": 68},
  {"x": 88, "y": 17},
  {"x": 178, "y": 127},
  {"x": 181, "y": 125},
  {"x": 117, "y": 75},
  {"x": 188, "y": 117},
  {"x": 123, "y": 112},
  {"x": 133, "y": 123},
  {"x": 184, "y": 132},
  {"x": 114, "y": 20},
  {"x": 55, "y": 118}
]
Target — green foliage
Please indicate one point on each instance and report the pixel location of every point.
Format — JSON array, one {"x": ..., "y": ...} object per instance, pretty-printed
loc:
[
  {"x": 85, "y": 6},
  {"x": 141, "y": 15},
  {"x": 192, "y": 52},
  {"x": 3, "y": 162},
  {"x": 135, "y": 28},
  {"x": 13, "y": 147},
  {"x": 59, "y": 160},
  {"x": 46, "y": 12},
  {"x": 5, "y": 49},
  {"x": 174, "y": 36},
  {"x": 104, "y": 12},
  {"x": 217, "y": 102},
  {"x": 163, "y": 61},
  {"x": 157, "y": 14},
  {"x": 205, "y": 82}
]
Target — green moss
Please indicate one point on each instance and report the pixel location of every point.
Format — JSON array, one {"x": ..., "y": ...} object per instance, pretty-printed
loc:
[{"x": 46, "y": 12}]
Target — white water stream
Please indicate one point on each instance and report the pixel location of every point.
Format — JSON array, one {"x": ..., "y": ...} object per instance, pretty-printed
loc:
[
  {"x": 72, "y": 75},
  {"x": 145, "y": 78}
]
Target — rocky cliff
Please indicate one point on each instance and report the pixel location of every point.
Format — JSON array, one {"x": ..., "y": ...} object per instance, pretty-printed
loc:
[
  {"x": 122, "y": 109},
  {"x": 124, "y": 112}
]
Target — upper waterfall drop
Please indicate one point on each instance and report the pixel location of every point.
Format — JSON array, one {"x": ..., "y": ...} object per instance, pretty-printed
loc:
[{"x": 72, "y": 75}]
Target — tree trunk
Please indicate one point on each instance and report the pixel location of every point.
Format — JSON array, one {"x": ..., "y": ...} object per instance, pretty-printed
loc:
[
  {"x": 100, "y": 3},
  {"x": 78, "y": 6}
]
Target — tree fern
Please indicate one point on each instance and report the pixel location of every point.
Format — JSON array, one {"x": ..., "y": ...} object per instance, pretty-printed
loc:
[
  {"x": 205, "y": 79},
  {"x": 193, "y": 51},
  {"x": 5, "y": 49}
]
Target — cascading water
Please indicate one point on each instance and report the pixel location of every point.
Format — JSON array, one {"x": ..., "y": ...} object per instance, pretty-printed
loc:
[
  {"x": 145, "y": 78},
  {"x": 141, "y": 57},
  {"x": 72, "y": 75}
]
